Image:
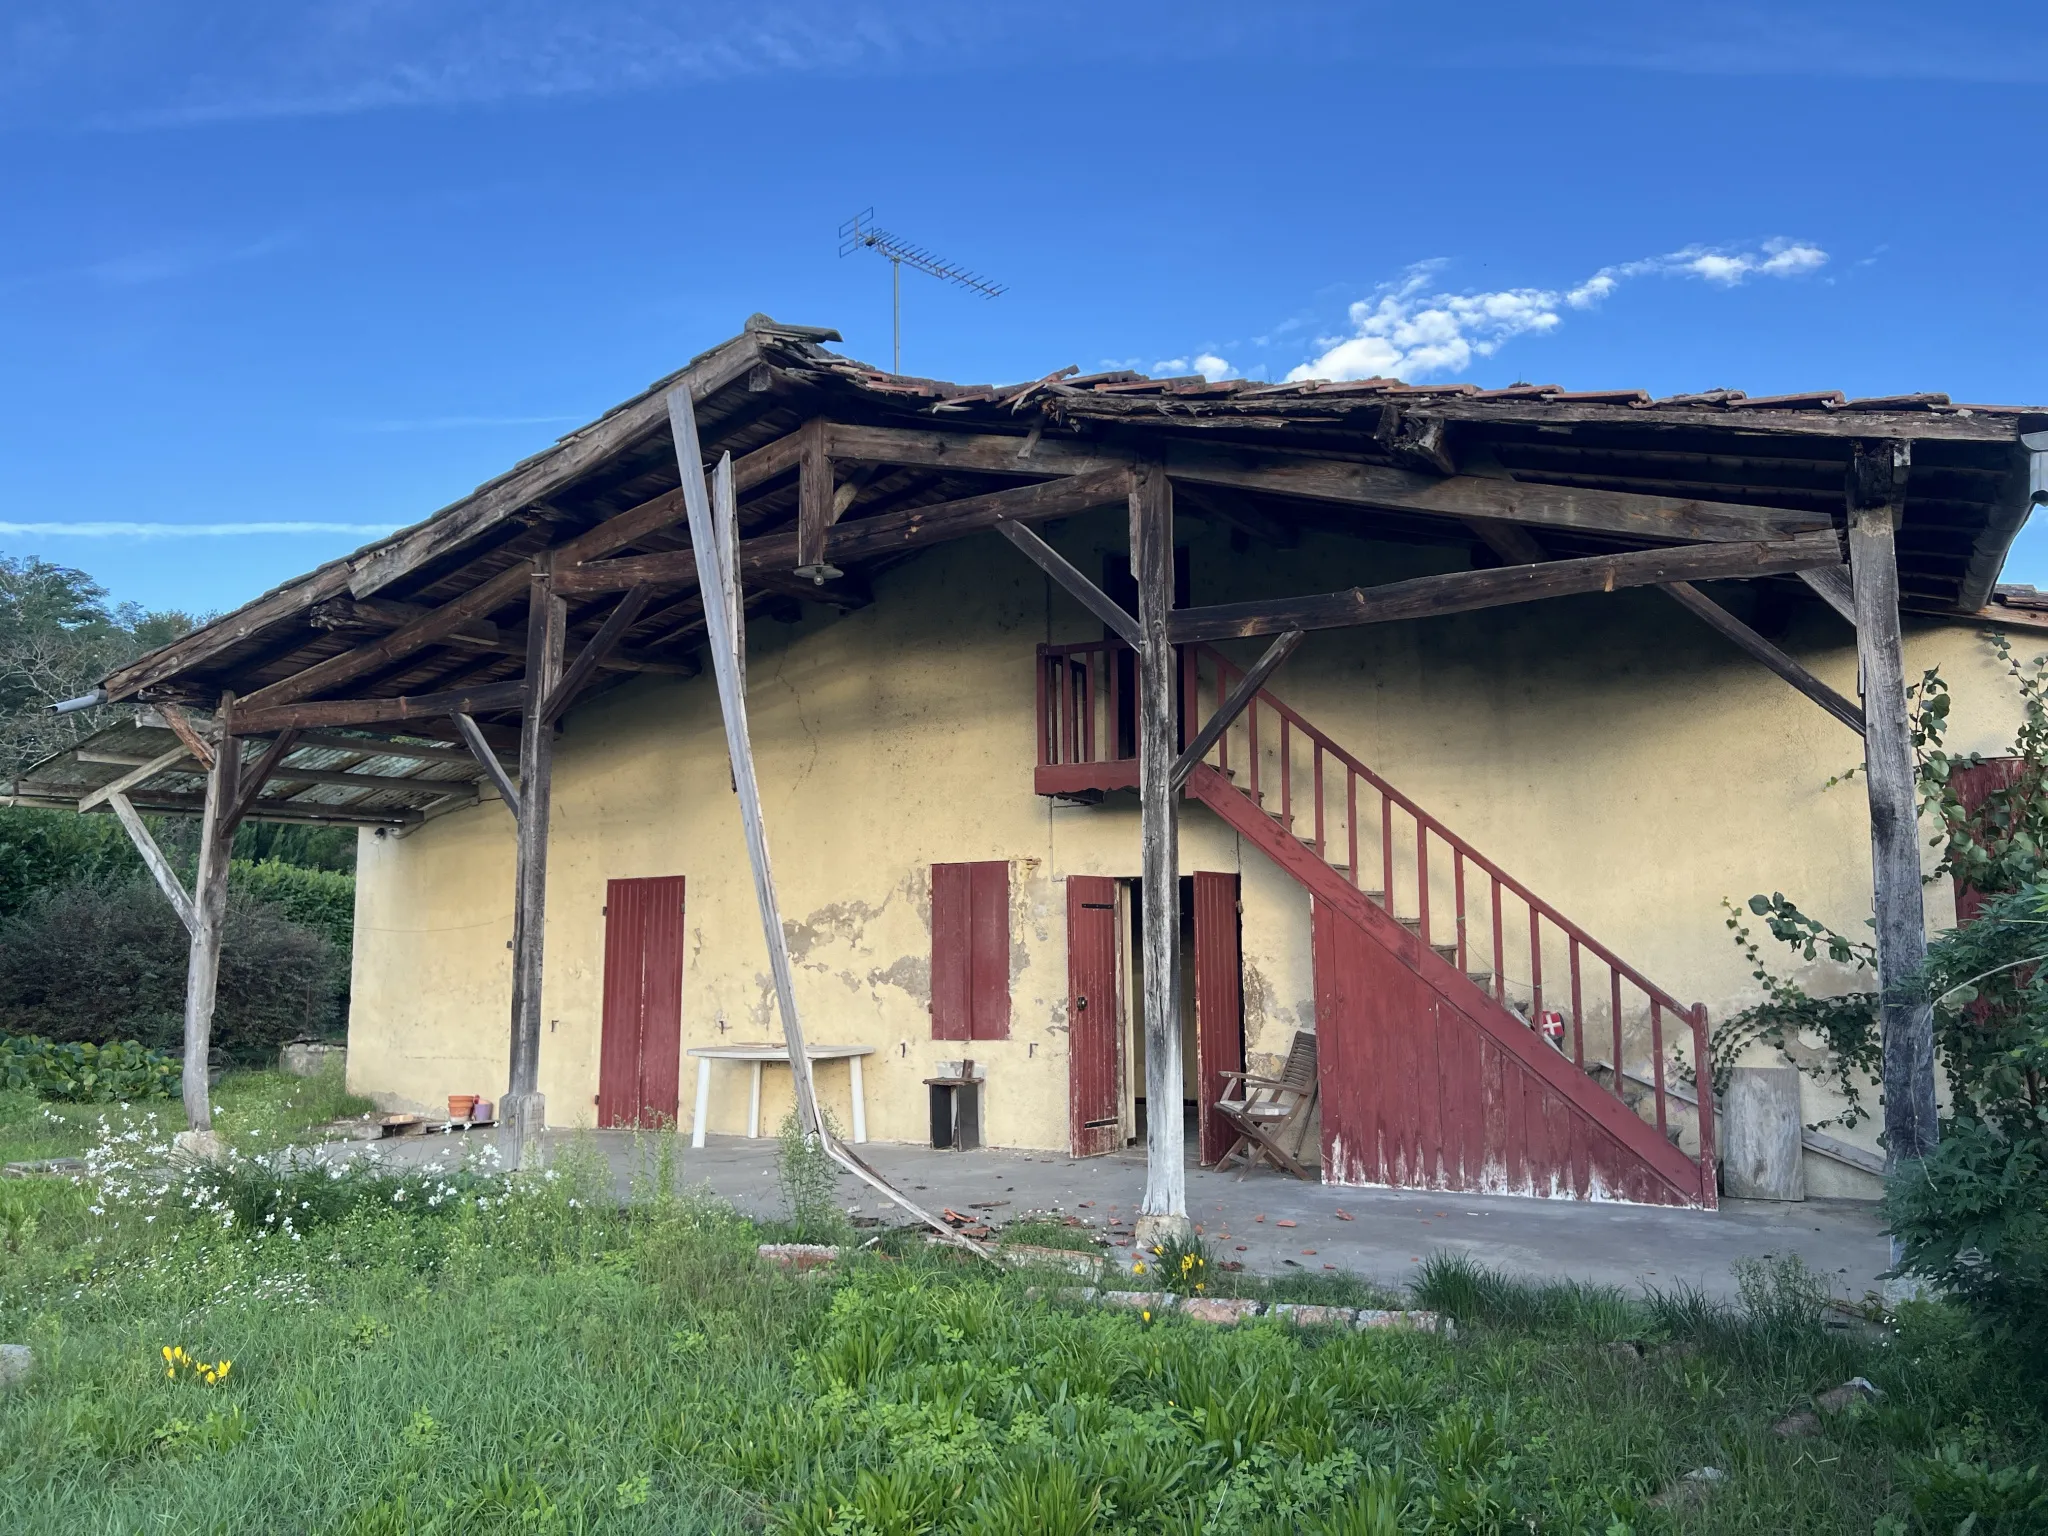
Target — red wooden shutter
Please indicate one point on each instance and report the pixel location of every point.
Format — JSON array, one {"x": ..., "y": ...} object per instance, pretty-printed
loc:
[
  {"x": 989, "y": 949},
  {"x": 971, "y": 951},
  {"x": 952, "y": 965}
]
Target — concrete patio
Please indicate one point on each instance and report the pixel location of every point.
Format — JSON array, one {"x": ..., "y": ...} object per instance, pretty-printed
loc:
[{"x": 1381, "y": 1234}]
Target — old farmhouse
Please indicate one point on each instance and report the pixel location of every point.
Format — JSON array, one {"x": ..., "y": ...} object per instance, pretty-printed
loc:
[{"x": 1075, "y": 796}]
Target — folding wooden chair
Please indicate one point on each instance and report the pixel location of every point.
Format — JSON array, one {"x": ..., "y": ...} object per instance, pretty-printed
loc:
[{"x": 1265, "y": 1110}]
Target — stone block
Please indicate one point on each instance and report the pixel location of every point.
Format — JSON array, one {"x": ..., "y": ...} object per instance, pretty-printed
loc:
[
  {"x": 1140, "y": 1301},
  {"x": 17, "y": 1364},
  {"x": 1303, "y": 1315},
  {"x": 1422, "y": 1322},
  {"x": 310, "y": 1058},
  {"x": 798, "y": 1256},
  {"x": 1224, "y": 1311}
]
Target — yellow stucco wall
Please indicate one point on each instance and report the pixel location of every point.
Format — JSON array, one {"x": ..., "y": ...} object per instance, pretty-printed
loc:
[{"x": 1609, "y": 750}]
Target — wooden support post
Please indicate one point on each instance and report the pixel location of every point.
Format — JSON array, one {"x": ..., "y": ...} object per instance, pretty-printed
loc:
[
  {"x": 1876, "y": 494},
  {"x": 1163, "y": 1214},
  {"x": 209, "y": 907},
  {"x": 817, "y": 507},
  {"x": 524, "y": 1111}
]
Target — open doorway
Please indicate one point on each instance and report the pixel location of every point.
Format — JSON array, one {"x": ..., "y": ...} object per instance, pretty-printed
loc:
[{"x": 1211, "y": 1003}]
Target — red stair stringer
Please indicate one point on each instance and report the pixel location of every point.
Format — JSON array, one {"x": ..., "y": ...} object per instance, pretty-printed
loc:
[{"x": 1653, "y": 1170}]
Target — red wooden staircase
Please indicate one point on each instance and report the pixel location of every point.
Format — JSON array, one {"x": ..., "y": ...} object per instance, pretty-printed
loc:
[{"x": 1469, "y": 1033}]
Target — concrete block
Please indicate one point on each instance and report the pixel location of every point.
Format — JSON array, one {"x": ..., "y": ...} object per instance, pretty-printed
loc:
[
  {"x": 17, "y": 1364},
  {"x": 1761, "y": 1156},
  {"x": 798, "y": 1256},
  {"x": 310, "y": 1058},
  {"x": 1140, "y": 1301},
  {"x": 1423, "y": 1322}
]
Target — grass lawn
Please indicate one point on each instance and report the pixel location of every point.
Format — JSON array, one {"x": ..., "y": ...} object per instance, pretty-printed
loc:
[
  {"x": 250, "y": 1109},
  {"x": 461, "y": 1352}
]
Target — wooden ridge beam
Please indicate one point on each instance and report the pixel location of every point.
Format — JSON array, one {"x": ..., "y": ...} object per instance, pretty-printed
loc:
[
  {"x": 485, "y": 699},
  {"x": 1319, "y": 478},
  {"x": 339, "y": 778},
  {"x": 867, "y": 537},
  {"x": 1719, "y": 619},
  {"x": 1464, "y": 591}
]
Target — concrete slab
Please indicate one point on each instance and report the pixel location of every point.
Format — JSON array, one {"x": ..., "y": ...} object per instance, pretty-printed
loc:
[{"x": 1380, "y": 1234}]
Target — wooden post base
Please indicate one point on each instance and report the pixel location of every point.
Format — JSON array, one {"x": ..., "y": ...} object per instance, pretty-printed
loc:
[{"x": 521, "y": 1119}]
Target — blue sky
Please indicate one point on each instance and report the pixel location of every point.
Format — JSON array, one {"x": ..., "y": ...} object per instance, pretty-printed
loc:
[{"x": 276, "y": 278}]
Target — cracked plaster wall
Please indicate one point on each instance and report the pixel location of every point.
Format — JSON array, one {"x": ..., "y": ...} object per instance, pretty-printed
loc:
[{"x": 1609, "y": 750}]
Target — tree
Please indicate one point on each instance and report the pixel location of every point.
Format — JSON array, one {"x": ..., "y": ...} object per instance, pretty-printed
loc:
[{"x": 58, "y": 637}]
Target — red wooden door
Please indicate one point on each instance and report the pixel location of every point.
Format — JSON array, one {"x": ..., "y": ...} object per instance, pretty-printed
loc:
[
  {"x": 640, "y": 1048},
  {"x": 1094, "y": 1037},
  {"x": 1219, "y": 1006}
]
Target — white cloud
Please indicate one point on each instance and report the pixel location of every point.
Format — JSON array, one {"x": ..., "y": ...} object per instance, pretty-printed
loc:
[
  {"x": 1405, "y": 330},
  {"x": 110, "y": 530},
  {"x": 1208, "y": 364}
]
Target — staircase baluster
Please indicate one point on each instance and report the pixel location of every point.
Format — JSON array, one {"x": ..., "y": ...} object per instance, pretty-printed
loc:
[
  {"x": 1387, "y": 852},
  {"x": 1088, "y": 692},
  {"x": 1351, "y": 820},
  {"x": 1500, "y": 964},
  {"x": 1251, "y": 725},
  {"x": 1286, "y": 776},
  {"x": 1578, "y": 1013},
  {"x": 1614, "y": 1007},
  {"x": 1657, "y": 1056},
  {"x": 1535, "y": 964},
  {"x": 1422, "y": 880},
  {"x": 1318, "y": 761},
  {"x": 1044, "y": 719},
  {"x": 1703, "y": 1080},
  {"x": 1458, "y": 892}
]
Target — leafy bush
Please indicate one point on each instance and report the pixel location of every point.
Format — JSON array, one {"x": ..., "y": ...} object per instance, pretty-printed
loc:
[
  {"x": 39, "y": 849},
  {"x": 90, "y": 961},
  {"x": 321, "y": 899},
  {"x": 1972, "y": 1217},
  {"x": 83, "y": 1073}
]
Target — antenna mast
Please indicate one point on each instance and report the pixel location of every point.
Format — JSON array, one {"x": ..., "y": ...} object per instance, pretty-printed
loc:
[{"x": 860, "y": 231}]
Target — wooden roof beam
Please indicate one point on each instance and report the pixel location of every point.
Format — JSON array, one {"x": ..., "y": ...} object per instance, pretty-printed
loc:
[
  {"x": 1464, "y": 591},
  {"x": 1626, "y": 514},
  {"x": 288, "y": 717}
]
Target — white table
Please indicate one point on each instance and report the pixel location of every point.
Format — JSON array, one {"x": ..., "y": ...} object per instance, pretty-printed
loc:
[{"x": 760, "y": 1056}]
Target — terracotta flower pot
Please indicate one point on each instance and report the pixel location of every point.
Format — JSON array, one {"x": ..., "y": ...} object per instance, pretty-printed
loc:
[{"x": 460, "y": 1104}]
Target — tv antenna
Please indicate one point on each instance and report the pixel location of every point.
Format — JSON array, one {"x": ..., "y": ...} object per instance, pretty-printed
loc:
[{"x": 860, "y": 231}]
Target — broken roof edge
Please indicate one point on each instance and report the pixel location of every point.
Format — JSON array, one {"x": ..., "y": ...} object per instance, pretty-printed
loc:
[{"x": 384, "y": 561}]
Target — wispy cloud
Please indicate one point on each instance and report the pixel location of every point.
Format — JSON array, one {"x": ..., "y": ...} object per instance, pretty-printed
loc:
[
  {"x": 1411, "y": 329},
  {"x": 112, "y": 530},
  {"x": 174, "y": 261}
]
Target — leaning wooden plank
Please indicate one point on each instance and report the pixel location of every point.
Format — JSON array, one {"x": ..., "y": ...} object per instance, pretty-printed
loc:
[
  {"x": 1703, "y": 607},
  {"x": 483, "y": 699},
  {"x": 135, "y": 776},
  {"x": 1463, "y": 591},
  {"x": 483, "y": 509},
  {"x": 868, "y": 537},
  {"x": 714, "y": 537},
  {"x": 481, "y": 749},
  {"x": 1246, "y": 690},
  {"x": 1062, "y": 570},
  {"x": 153, "y": 859}
]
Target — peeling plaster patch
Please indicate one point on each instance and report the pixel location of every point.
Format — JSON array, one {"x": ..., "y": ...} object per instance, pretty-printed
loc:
[
  {"x": 763, "y": 1009},
  {"x": 912, "y": 974},
  {"x": 846, "y": 920}
]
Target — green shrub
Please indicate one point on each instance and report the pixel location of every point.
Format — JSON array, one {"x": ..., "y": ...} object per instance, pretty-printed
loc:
[
  {"x": 40, "y": 849},
  {"x": 94, "y": 961},
  {"x": 79, "y": 1072},
  {"x": 1972, "y": 1217},
  {"x": 320, "y": 899}
]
